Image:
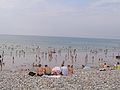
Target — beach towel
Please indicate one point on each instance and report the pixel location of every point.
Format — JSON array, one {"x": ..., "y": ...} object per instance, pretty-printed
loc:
[{"x": 52, "y": 76}]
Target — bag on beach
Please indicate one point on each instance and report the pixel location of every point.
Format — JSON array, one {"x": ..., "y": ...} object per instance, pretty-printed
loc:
[{"x": 31, "y": 73}]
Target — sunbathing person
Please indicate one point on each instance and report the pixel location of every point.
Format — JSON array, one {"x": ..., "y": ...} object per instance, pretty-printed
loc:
[
  {"x": 104, "y": 67},
  {"x": 69, "y": 70},
  {"x": 40, "y": 70},
  {"x": 72, "y": 70},
  {"x": 64, "y": 70},
  {"x": 47, "y": 70},
  {"x": 118, "y": 66}
]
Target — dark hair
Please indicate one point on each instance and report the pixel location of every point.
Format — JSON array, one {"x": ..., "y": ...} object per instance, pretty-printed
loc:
[
  {"x": 46, "y": 65},
  {"x": 83, "y": 66},
  {"x": 118, "y": 63},
  {"x": 68, "y": 65},
  {"x": 39, "y": 65},
  {"x": 105, "y": 63},
  {"x": 62, "y": 65}
]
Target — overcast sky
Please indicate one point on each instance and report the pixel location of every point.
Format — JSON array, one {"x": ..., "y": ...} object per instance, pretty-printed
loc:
[{"x": 70, "y": 18}]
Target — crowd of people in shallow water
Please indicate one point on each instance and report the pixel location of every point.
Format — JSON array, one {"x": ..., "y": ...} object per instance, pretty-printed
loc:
[{"x": 40, "y": 70}]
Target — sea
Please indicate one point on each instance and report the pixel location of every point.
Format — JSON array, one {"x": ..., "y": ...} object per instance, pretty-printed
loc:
[{"x": 49, "y": 41}]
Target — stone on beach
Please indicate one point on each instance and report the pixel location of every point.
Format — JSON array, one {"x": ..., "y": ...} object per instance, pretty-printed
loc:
[{"x": 82, "y": 80}]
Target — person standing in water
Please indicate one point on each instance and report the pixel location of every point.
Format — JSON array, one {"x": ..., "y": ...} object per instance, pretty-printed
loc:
[
  {"x": 1, "y": 62},
  {"x": 13, "y": 59}
]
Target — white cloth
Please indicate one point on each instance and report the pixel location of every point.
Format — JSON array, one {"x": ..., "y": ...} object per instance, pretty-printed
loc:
[{"x": 54, "y": 76}]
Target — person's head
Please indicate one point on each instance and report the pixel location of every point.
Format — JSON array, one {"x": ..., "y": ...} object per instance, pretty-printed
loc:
[
  {"x": 62, "y": 65},
  {"x": 118, "y": 63},
  {"x": 83, "y": 66},
  {"x": 105, "y": 63},
  {"x": 68, "y": 66},
  {"x": 46, "y": 65},
  {"x": 39, "y": 65}
]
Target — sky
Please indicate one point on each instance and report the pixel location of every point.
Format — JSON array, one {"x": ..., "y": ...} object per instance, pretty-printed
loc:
[{"x": 68, "y": 18}]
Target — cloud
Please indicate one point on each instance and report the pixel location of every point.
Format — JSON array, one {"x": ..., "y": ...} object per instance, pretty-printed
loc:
[
  {"x": 7, "y": 4},
  {"x": 99, "y": 3},
  {"x": 11, "y": 4},
  {"x": 43, "y": 17}
]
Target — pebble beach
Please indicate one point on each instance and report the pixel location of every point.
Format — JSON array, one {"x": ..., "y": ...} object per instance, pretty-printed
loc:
[{"x": 82, "y": 80}]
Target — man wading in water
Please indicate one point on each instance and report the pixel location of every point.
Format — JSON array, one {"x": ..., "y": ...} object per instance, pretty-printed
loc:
[{"x": 1, "y": 62}]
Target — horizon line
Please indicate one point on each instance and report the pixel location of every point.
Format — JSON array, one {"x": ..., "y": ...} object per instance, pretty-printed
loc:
[{"x": 60, "y": 36}]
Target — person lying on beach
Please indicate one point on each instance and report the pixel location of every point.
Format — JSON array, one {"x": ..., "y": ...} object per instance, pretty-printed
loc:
[
  {"x": 104, "y": 67},
  {"x": 117, "y": 66},
  {"x": 47, "y": 70}
]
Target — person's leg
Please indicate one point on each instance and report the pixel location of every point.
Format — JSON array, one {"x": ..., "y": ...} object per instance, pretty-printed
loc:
[{"x": 1, "y": 66}]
